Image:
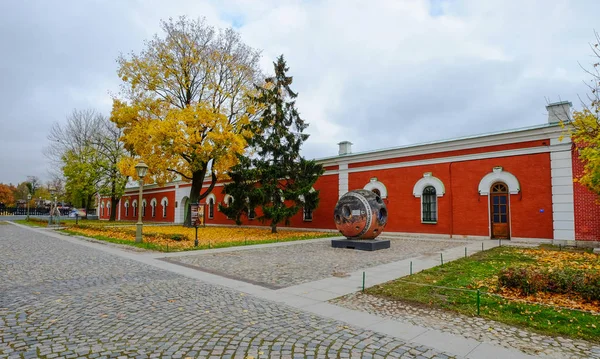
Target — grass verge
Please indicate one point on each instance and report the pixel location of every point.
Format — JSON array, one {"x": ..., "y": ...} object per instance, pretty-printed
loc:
[
  {"x": 456, "y": 283},
  {"x": 209, "y": 238},
  {"x": 32, "y": 222}
]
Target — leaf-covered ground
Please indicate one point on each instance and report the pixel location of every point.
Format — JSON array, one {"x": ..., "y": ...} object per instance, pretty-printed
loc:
[
  {"x": 456, "y": 284},
  {"x": 178, "y": 238}
]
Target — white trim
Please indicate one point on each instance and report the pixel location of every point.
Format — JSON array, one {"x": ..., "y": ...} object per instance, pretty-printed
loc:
[
  {"x": 153, "y": 202},
  {"x": 462, "y": 158},
  {"x": 508, "y": 137},
  {"x": 226, "y": 199},
  {"x": 375, "y": 184},
  {"x": 499, "y": 175},
  {"x": 561, "y": 172},
  {"x": 429, "y": 180},
  {"x": 214, "y": 199},
  {"x": 342, "y": 179}
]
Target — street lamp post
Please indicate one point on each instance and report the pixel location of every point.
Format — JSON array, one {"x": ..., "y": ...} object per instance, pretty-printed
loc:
[
  {"x": 51, "y": 219},
  {"x": 28, "y": 200},
  {"x": 141, "y": 169}
]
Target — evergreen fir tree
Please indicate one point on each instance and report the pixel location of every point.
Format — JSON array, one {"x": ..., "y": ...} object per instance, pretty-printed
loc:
[{"x": 276, "y": 178}]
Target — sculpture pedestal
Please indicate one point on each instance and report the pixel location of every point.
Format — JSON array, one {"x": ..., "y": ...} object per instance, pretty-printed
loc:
[{"x": 361, "y": 244}]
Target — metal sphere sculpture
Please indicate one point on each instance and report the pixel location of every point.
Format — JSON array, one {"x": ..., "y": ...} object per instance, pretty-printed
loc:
[{"x": 360, "y": 214}]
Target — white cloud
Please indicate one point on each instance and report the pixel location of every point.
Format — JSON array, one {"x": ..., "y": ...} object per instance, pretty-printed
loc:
[{"x": 378, "y": 73}]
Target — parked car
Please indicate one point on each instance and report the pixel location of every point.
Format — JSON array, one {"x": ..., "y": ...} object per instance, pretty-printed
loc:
[{"x": 78, "y": 211}]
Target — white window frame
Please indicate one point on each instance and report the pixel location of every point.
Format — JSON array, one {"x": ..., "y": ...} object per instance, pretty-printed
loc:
[
  {"x": 375, "y": 184},
  {"x": 214, "y": 202},
  {"x": 153, "y": 206},
  {"x": 164, "y": 203},
  {"x": 436, "y": 207},
  {"x": 426, "y": 181}
]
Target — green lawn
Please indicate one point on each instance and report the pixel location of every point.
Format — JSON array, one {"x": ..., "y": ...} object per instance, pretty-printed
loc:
[{"x": 462, "y": 277}]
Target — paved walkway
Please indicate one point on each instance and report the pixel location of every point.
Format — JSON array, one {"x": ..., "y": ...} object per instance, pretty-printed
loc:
[{"x": 63, "y": 295}]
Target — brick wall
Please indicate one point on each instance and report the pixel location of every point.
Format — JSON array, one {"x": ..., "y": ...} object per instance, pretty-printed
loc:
[
  {"x": 462, "y": 210},
  {"x": 587, "y": 207}
]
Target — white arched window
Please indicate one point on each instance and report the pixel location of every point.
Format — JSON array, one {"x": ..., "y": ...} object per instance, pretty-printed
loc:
[
  {"x": 210, "y": 202},
  {"x": 153, "y": 207},
  {"x": 429, "y": 188},
  {"x": 127, "y": 208},
  {"x": 307, "y": 213},
  {"x": 164, "y": 202},
  {"x": 108, "y": 208},
  {"x": 429, "y": 180},
  {"x": 102, "y": 208},
  {"x": 499, "y": 175},
  {"x": 144, "y": 203},
  {"x": 377, "y": 187},
  {"x": 228, "y": 200},
  {"x": 134, "y": 204}
]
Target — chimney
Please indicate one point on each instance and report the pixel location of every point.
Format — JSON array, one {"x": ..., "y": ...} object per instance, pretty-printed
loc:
[
  {"x": 345, "y": 148},
  {"x": 559, "y": 111}
]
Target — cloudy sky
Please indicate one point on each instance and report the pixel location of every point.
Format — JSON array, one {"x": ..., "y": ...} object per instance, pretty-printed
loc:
[{"x": 379, "y": 73}]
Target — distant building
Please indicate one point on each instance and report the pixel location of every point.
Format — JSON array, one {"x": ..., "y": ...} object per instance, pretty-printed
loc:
[{"x": 511, "y": 184}]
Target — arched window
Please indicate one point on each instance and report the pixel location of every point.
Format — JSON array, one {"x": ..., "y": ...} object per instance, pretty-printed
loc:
[
  {"x": 228, "y": 200},
  {"x": 144, "y": 208},
  {"x": 211, "y": 208},
  {"x": 127, "y": 208},
  {"x": 376, "y": 187},
  {"x": 164, "y": 202},
  {"x": 429, "y": 205},
  {"x": 102, "y": 209},
  {"x": 108, "y": 208},
  {"x": 134, "y": 204},
  {"x": 153, "y": 207}
]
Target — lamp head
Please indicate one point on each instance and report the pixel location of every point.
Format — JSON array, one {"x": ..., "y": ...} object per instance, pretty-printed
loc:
[
  {"x": 28, "y": 196},
  {"x": 141, "y": 168}
]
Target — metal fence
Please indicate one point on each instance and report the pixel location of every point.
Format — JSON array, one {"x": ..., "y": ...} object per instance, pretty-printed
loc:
[{"x": 41, "y": 211}]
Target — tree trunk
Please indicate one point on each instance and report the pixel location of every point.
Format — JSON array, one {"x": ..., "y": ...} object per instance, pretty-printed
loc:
[
  {"x": 114, "y": 202},
  {"x": 88, "y": 203},
  {"x": 196, "y": 194},
  {"x": 114, "y": 199},
  {"x": 273, "y": 227}
]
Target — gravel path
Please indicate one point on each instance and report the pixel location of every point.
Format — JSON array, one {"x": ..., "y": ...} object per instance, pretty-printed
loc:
[
  {"x": 472, "y": 327},
  {"x": 280, "y": 267}
]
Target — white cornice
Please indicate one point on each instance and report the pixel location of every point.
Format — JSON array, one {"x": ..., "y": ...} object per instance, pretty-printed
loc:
[
  {"x": 503, "y": 138},
  {"x": 477, "y": 156}
]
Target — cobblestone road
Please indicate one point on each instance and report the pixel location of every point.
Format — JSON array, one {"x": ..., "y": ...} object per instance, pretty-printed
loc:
[
  {"x": 284, "y": 266},
  {"x": 64, "y": 300},
  {"x": 472, "y": 327}
]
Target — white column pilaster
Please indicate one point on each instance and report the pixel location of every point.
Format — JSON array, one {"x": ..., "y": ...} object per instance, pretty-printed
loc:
[
  {"x": 563, "y": 213},
  {"x": 343, "y": 179}
]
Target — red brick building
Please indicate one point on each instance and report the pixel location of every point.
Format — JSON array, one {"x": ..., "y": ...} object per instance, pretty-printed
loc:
[{"x": 512, "y": 184}]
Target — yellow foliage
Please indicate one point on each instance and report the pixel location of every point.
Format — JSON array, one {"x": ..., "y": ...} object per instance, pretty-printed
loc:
[
  {"x": 207, "y": 236},
  {"x": 185, "y": 101},
  {"x": 585, "y": 131}
]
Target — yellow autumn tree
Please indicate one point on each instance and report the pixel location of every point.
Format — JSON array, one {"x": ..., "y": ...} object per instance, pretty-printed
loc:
[
  {"x": 585, "y": 132},
  {"x": 584, "y": 129},
  {"x": 184, "y": 103}
]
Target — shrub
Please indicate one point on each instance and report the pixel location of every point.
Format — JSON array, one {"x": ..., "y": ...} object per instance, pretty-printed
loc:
[
  {"x": 531, "y": 280},
  {"x": 178, "y": 237}
]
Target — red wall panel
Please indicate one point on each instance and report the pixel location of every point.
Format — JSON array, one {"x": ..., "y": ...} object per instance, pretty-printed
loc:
[
  {"x": 322, "y": 216},
  {"x": 531, "y": 210},
  {"x": 587, "y": 206}
]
